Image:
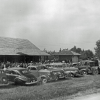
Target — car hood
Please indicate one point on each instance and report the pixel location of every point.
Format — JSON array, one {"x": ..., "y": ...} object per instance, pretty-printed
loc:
[
  {"x": 83, "y": 67},
  {"x": 55, "y": 69},
  {"x": 45, "y": 70},
  {"x": 70, "y": 68},
  {"x": 29, "y": 76},
  {"x": 66, "y": 69}
]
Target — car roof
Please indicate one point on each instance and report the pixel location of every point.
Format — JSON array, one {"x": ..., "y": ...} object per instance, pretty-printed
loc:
[
  {"x": 88, "y": 61},
  {"x": 33, "y": 66},
  {"x": 16, "y": 68},
  {"x": 57, "y": 63}
]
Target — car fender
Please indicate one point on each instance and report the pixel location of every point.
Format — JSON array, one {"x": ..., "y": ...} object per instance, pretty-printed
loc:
[
  {"x": 40, "y": 77},
  {"x": 73, "y": 71},
  {"x": 43, "y": 76},
  {"x": 67, "y": 72},
  {"x": 83, "y": 69},
  {"x": 94, "y": 67},
  {"x": 22, "y": 78}
]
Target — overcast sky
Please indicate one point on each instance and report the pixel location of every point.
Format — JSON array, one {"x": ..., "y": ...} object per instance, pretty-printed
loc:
[{"x": 52, "y": 24}]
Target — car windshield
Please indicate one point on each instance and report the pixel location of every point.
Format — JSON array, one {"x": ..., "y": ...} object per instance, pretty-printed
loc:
[
  {"x": 92, "y": 64},
  {"x": 58, "y": 66},
  {"x": 89, "y": 63}
]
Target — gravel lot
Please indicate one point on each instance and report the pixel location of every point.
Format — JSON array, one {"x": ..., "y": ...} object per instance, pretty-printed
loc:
[{"x": 55, "y": 90}]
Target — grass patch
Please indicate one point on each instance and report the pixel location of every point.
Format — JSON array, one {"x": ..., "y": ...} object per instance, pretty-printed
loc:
[{"x": 51, "y": 90}]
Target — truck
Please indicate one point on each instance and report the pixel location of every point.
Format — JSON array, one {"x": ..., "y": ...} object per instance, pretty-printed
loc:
[{"x": 89, "y": 67}]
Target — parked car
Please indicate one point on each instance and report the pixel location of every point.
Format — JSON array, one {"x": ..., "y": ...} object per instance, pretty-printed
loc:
[
  {"x": 59, "y": 67},
  {"x": 45, "y": 74},
  {"x": 89, "y": 67},
  {"x": 20, "y": 76},
  {"x": 61, "y": 73},
  {"x": 3, "y": 77},
  {"x": 70, "y": 71}
]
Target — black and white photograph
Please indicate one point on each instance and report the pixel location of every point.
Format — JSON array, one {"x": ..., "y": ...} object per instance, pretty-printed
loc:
[{"x": 49, "y": 50}]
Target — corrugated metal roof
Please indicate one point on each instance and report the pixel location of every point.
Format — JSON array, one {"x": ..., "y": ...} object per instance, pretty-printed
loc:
[
  {"x": 66, "y": 52},
  {"x": 8, "y": 51},
  {"x": 31, "y": 52},
  {"x": 6, "y": 42},
  {"x": 16, "y": 46},
  {"x": 74, "y": 53}
]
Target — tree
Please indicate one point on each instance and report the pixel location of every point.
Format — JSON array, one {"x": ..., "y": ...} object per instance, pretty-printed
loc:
[
  {"x": 78, "y": 50},
  {"x": 60, "y": 50},
  {"x": 74, "y": 49},
  {"x": 97, "y": 49},
  {"x": 45, "y": 50},
  {"x": 89, "y": 53},
  {"x": 85, "y": 54}
]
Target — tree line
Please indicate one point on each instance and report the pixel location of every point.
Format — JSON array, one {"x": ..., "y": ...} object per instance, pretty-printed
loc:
[{"x": 85, "y": 54}]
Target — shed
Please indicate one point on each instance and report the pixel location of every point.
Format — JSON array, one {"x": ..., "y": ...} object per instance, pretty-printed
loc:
[{"x": 67, "y": 56}]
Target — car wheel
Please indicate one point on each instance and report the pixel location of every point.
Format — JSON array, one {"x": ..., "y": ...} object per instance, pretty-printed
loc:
[
  {"x": 67, "y": 76},
  {"x": 4, "y": 80},
  {"x": 56, "y": 78},
  {"x": 44, "y": 80},
  {"x": 71, "y": 74},
  {"x": 95, "y": 71},
  {"x": 83, "y": 73}
]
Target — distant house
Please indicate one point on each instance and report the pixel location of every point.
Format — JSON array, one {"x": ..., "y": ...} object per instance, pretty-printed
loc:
[
  {"x": 66, "y": 55},
  {"x": 19, "y": 50}
]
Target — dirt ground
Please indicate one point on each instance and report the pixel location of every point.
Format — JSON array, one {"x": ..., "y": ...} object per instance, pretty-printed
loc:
[
  {"x": 95, "y": 96},
  {"x": 86, "y": 95}
]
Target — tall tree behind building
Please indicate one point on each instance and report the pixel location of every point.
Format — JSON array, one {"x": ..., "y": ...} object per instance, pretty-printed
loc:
[
  {"x": 97, "y": 49},
  {"x": 85, "y": 54}
]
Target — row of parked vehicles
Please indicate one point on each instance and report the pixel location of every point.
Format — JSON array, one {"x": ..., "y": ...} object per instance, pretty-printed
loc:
[{"x": 38, "y": 74}]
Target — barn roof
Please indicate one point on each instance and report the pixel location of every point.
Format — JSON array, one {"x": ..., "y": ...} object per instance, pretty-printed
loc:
[
  {"x": 66, "y": 52},
  {"x": 16, "y": 46}
]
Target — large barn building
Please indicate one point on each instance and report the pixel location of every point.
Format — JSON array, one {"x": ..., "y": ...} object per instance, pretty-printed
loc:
[{"x": 19, "y": 50}]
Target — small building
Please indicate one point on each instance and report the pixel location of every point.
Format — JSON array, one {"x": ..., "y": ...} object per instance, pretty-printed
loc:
[
  {"x": 20, "y": 50},
  {"x": 67, "y": 56}
]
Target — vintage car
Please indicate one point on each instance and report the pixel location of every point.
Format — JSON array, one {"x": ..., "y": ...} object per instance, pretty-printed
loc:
[
  {"x": 89, "y": 67},
  {"x": 20, "y": 76},
  {"x": 70, "y": 71},
  {"x": 45, "y": 74},
  {"x": 3, "y": 77},
  {"x": 61, "y": 72}
]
